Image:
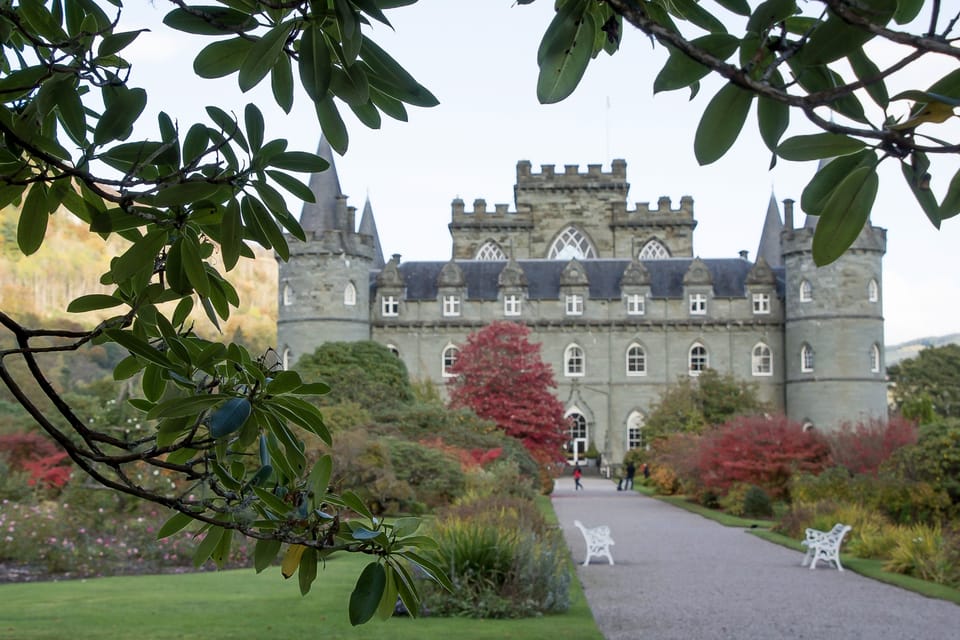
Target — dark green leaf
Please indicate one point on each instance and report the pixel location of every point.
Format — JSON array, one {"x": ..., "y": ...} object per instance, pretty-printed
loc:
[
  {"x": 34, "y": 216},
  {"x": 844, "y": 215},
  {"x": 253, "y": 120},
  {"x": 220, "y": 59},
  {"x": 193, "y": 265},
  {"x": 263, "y": 55},
  {"x": 770, "y": 13},
  {"x": 393, "y": 79},
  {"x": 283, "y": 382},
  {"x": 300, "y": 161},
  {"x": 868, "y": 72},
  {"x": 907, "y": 10},
  {"x": 565, "y": 61},
  {"x": 293, "y": 185},
  {"x": 127, "y": 368},
  {"x": 692, "y": 12},
  {"x": 230, "y": 417},
  {"x": 185, "y": 407},
  {"x": 332, "y": 125},
  {"x": 141, "y": 255},
  {"x": 208, "y": 545},
  {"x": 951, "y": 202},
  {"x": 231, "y": 231},
  {"x": 209, "y": 21},
  {"x": 176, "y": 523},
  {"x": 221, "y": 554},
  {"x": 93, "y": 302},
  {"x": 818, "y": 146},
  {"x": 272, "y": 502},
  {"x": 355, "y": 503},
  {"x": 184, "y": 193},
  {"x": 350, "y": 85},
  {"x": 124, "y": 108},
  {"x": 739, "y": 7},
  {"x": 681, "y": 71},
  {"x": 70, "y": 108},
  {"x": 721, "y": 123},
  {"x": 919, "y": 182},
  {"x": 388, "y": 104},
  {"x": 773, "y": 118},
  {"x": 138, "y": 347},
  {"x": 828, "y": 176},
  {"x": 314, "y": 65},
  {"x": 388, "y": 602},
  {"x": 320, "y": 478},
  {"x": 308, "y": 570},
  {"x": 281, "y": 83},
  {"x": 115, "y": 42},
  {"x": 228, "y": 125},
  {"x": 264, "y": 553},
  {"x": 367, "y": 593}
]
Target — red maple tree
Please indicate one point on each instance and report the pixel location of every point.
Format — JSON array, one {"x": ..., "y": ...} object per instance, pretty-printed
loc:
[{"x": 500, "y": 376}]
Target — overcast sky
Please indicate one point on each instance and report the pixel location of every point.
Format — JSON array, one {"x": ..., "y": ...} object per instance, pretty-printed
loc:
[{"x": 479, "y": 58}]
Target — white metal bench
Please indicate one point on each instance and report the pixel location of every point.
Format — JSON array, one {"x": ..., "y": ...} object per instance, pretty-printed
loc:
[
  {"x": 824, "y": 545},
  {"x": 598, "y": 541}
]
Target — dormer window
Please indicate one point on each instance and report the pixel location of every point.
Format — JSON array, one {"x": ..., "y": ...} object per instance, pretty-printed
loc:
[
  {"x": 698, "y": 304},
  {"x": 574, "y": 305},
  {"x": 761, "y": 303},
  {"x": 636, "y": 304},
  {"x": 451, "y": 306},
  {"x": 511, "y": 305},
  {"x": 389, "y": 306}
]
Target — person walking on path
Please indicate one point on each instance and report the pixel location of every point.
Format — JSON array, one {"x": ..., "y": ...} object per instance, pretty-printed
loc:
[
  {"x": 577, "y": 474},
  {"x": 631, "y": 472}
]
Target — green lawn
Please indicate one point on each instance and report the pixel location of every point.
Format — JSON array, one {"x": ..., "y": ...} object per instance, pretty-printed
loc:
[{"x": 241, "y": 604}]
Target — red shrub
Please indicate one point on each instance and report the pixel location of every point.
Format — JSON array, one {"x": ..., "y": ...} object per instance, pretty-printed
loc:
[
  {"x": 760, "y": 451},
  {"x": 469, "y": 458},
  {"x": 38, "y": 456},
  {"x": 863, "y": 447}
]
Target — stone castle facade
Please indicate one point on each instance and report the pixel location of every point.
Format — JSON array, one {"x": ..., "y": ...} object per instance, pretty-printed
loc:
[{"x": 617, "y": 297}]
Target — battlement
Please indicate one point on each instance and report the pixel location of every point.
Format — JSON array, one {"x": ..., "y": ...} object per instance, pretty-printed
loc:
[
  {"x": 663, "y": 213},
  {"x": 571, "y": 177}
]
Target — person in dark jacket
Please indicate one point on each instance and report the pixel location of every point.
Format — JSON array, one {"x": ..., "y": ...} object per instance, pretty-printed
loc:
[{"x": 631, "y": 471}]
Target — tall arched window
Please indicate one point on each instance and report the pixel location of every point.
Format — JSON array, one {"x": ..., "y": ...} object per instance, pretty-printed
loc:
[
  {"x": 875, "y": 358},
  {"x": 579, "y": 433},
  {"x": 449, "y": 358},
  {"x": 636, "y": 360},
  {"x": 635, "y": 422},
  {"x": 806, "y": 358},
  {"x": 285, "y": 360},
  {"x": 761, "y": 361},
  {"x": 873, "y": 291},
  {"x": 806, "y": 291},
  {"x": 573, "y": 361},
  {"x": 699, "y": 359},
  {"x": 288, "y": 296},
  {"x": 653, "y": 250},
  {"x": 350, "y": 295},
  {"x": 491, "y": 251},
  {"x": 571, "y": 243}
]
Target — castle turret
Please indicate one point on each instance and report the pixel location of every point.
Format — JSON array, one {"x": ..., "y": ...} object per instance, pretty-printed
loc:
[
  {"x": 834, "y": 329},
  {"x": 324, "y": 288}
]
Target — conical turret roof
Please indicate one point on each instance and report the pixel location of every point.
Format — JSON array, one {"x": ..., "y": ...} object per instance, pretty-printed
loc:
[
  {"x": 769, "y": 247},
  {"x": 325, "y": 185}
]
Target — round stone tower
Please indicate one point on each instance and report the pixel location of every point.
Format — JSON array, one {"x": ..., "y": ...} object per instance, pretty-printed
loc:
[
  {"x": 324, "y": 288},
  {"x": 833, "y": 334}
]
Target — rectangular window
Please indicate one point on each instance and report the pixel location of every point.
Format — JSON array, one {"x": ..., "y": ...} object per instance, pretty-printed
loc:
[
  {"x": 451, "y": 306},
  {"x": 636, "y": 304},
  {"x": 761, "y": 303},
  {"x": 574, "y": 305},
  {"x": 698, "y": 304},
  {"x": 389, "y": 306},
  {"x": 511, "y": 305}
]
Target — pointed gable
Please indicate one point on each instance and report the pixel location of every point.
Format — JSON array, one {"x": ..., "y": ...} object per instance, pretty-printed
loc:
[
  {"x": 697, "y": 274},
  {"x": 761, "y": 274},
  {"x": 635, "y": 275},
  {"x": 574, "y": 274},
  {"x": 390, "y": 277},
  {"x": 769, "y": 247},
  {"x": 512, "y": 276},
  {"x": 451, "y": 275},
  {"x": 321, "y": 215}
]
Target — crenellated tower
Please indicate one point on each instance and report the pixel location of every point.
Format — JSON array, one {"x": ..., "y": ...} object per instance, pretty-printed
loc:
[
  {"x": 324, "y": 288},
  {"x": 833, "y": 348}
]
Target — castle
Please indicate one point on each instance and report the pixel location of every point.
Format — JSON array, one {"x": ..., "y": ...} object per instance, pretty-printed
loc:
[{"x": 616, "y": 296}]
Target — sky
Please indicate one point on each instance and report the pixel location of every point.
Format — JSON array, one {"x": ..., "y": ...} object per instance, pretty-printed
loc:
[{"x": 479, "y": 58}]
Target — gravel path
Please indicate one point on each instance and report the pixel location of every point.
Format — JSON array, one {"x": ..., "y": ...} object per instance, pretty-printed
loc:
[{"x": 681, "y": 576}]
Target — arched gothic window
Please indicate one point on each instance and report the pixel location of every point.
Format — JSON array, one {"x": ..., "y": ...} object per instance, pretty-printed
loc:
[
  {"x": 636, "y": 360},
  {"x": 806, "y": 291},
  {"x": 806, "y": 358},
  {"x": 761, "y": 361},
  {"x": 491, "y": 251},
  {"x": 394, "y": 350},
  {"x": 285, "y": 360},
  {"x": 350, "y": 295},
  {"x": 699, "y": 359},
  {"x": 635, "y": 422},
  {"x": 449, "y": 358},
  {"x": 288, "y": 296},
  {"x": 573, "y": 361},
  {"x": 875, "y": 358},
  {"x": 873, "y": 291},
  {"x": 653, "y": 250},
  {"x": 571, "y": 243}
]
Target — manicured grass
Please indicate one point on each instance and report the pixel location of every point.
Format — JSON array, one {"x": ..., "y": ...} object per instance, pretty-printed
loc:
[{"x": 725, "y": 519}]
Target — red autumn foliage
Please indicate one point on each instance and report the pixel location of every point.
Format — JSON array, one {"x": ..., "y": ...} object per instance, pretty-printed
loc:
[
  {"x": 863, "y": 447},
  {"x": 501, "y": 377},
  {"x": 760, "y": 451},
  {"x": 38, "y": 456},
  {"x": 469, "y": 458}
]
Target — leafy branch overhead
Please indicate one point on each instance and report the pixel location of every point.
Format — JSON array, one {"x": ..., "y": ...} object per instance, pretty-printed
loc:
[
  {"x": 189, "y": 200},
  {"x": 817, "y": 59}
]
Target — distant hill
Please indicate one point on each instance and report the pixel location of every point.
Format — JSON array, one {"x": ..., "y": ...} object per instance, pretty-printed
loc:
[
  {"x": 897, "y": 352},
  {"x": 70, "y": 262}
]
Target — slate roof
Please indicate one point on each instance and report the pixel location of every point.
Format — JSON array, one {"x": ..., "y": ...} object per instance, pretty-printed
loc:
[{"x": 543, "y": 276}]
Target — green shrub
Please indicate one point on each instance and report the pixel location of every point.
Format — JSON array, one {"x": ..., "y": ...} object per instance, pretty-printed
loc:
[
  {"x": 435, "y": 477},
  {"x": 757, "y": 503},
  {"x": 502, "y": 478},
  {"x": 504, "y": 560},
  {"x": 926, "y": 552},
  {"x": 873, "y": 540}
]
